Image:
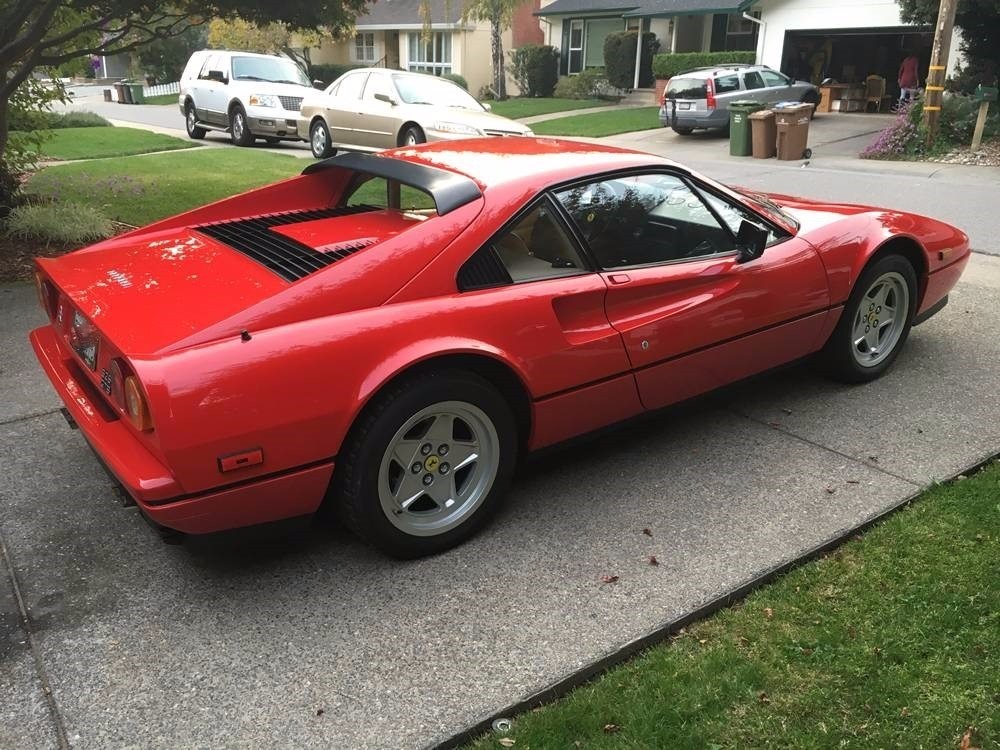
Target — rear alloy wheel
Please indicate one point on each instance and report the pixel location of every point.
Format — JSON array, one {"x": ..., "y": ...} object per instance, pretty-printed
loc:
[
  {"x": 191, "y": 123},
  {"x": 413, "y": 136},
  {"x": 428, "y": 464},
  {"x": 319, "y": 140},
  {"x": 239, "y": 128},
  {"x": 875, "y": 323}
]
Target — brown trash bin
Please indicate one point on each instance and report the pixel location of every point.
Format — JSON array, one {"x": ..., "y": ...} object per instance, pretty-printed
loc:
[
  {"x": 765, "y": 134},
  {"x": 793, "y": 131},
  {"x": 107, "y": 95}
]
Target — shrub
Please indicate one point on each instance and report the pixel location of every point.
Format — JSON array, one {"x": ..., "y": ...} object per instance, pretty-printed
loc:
[
  {"x": 589, "y": 84},
  {"x": 958, "y": 121},
  {"x": 670, "y": 64},
  {"x": 456, "y": 78},
  {"x": 971, "y": 75},
  {"x": 68, "y": 223},
  {"x": 535, "y": 69},
  {"x": 328, "y": 73},
  {"x": 619, "y": 58},
  {"x": 45, "y": 120},
  {"x": 903, "y": 137}
]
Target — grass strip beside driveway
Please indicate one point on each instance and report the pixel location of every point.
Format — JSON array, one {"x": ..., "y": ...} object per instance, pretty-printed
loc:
[
  {"x": 162, "y": 99},
  {"x": 599, "y": 124},
  {"x": 525, "y": 107},
  {"x": 139, "y": 191},
  {"x": 70, "y": 144},
  {"x": 890, "y": 641}
]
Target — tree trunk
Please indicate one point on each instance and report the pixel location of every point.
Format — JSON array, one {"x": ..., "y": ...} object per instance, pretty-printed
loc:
[
  {"x": 499, "y": 77},
  {"x": 4, "y": 120}
]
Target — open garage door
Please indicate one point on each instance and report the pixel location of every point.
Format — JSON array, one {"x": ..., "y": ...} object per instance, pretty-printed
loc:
[{"x": 851, "y": 55}]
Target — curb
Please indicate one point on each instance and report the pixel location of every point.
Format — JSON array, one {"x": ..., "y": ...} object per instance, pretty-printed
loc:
[{"x": 592, "y": 671}]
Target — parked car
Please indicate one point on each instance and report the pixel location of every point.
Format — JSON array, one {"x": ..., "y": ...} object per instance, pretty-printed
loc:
[
  {"x": 248, "y": 95},
  {"x": 376, "y": 108},
  {"x": 387, "y": 334},
  {"x": 700, "y": 99}
]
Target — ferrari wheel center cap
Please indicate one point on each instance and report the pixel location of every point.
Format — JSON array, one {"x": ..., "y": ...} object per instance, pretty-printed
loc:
[{"x": 432, "y": 462}]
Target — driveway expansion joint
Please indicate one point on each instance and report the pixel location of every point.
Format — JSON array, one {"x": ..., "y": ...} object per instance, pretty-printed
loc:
[
  {"x": 29, "y": 417},
  {"x": 828, "y": 449},
  {"x": 57, "y": 720}
]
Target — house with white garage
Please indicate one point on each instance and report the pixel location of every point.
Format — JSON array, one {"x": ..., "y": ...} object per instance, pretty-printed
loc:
[{"x": 810, "y": 39}]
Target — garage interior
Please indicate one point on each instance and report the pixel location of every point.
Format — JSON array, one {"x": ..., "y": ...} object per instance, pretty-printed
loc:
[{"x": 851, "y": 55}]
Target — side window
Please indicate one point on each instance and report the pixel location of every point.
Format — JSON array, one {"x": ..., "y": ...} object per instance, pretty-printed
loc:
[
  {"x": 351, "y": 86},
  {"x": 753, "y": 80},
  {"x": 734, "y": 215},
  {"x": 773, "y": 79},
  {"x": 377, "y": 84},
  {"x": 645, "y": 219},
  {"x": 726, "y": 84},
  {"x": 536, "y": 247}
]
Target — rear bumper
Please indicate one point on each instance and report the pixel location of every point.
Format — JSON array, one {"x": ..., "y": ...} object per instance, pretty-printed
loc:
[
  {"x": 152, "y": 485},
  {"x": 717, "y": 118}
]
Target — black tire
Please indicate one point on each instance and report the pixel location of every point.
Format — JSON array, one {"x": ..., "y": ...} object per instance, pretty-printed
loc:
[
  {"x": 320, "y": 142},
  {"x": 412, "y": 136},
  {"x": 191, "y": 123},
  {"x": 357, "y": 474},
  {"x": 683, "y": 131},
  {"x": 838, "y": 358},
  {"x": 239, "y": 128}
]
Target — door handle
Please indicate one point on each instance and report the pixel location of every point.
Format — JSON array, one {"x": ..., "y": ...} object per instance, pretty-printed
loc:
[{"x": 619, "y": 278}]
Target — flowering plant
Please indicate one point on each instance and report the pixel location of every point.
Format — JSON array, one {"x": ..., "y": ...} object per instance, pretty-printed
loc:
[{"x": 902, "y": 137}]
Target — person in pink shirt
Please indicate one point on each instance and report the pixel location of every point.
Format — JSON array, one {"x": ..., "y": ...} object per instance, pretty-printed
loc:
[{"x": 908, "y": 78}]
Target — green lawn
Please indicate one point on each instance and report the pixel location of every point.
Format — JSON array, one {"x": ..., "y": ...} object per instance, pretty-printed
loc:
[
  {"x": 892, "y": 641},
  {"x": 518, "y": 107},
  {"x": 597, "y": 124},
  {"x": 68, "y": 144},
  {"x": 138, "y": 191},
  {"x": 162, "y": 99}
]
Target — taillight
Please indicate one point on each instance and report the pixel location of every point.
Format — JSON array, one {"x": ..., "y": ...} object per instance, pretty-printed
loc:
[
  {"x": 135, "y": 404},
  {"x": 710, "y": 93},
  {"x": 126, "y": 392},
  {"x": 47, "y": 295},
  {"x": 665, "y": 89}
]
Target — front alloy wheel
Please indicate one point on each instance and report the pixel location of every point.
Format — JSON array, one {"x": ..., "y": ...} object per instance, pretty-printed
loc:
[
  {"x": 875, "y": 322},
  {"x": 239, "y": 129},
  {"x": 427, "y": 463}
]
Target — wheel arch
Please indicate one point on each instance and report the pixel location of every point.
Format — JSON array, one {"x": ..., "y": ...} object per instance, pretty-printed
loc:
[
  {"x": 493, "y": 369},
  {"x": 910, "y": 249},
  {"x": 233, "y": 104}
]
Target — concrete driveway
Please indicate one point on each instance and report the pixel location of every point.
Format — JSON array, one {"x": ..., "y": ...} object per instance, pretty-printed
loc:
[{"x": 311, "y": 640}]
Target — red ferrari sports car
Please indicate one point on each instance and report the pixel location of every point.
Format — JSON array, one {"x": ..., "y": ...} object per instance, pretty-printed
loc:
[{"x": 386, "y": 334}]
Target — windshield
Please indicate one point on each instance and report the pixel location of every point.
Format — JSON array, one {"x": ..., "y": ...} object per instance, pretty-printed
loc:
[
  {"x": 425, "y": 89},
  {"x": 270, "y": 69}
]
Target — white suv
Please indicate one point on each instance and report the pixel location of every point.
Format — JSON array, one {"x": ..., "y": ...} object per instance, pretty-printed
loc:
[{"x": 248, "y": 95}]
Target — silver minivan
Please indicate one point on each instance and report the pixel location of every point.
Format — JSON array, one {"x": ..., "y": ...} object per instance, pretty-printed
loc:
[{"x": 700, "y": 99}]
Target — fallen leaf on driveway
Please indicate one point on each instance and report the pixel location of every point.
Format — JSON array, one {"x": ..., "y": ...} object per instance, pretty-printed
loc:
[
  {"x": 652, "y": 560},
  {"x": 609, "y": 579},
  {"x": 853, "y": 481},
  {"x": 830, "y": 490},
  {"x": 647, "y": 532},
  {"x": 787, "y": 411},
  {"x": 774, "y": 425}
]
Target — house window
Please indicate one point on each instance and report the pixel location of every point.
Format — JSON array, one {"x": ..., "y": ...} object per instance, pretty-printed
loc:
[
  {"x": 364, "y": 47},
  {"x": 575, "y": 46},
  {"x": 584, "y": 40},
  {"x": 737, "y": 24},
  {"x": 430, "y": 54}
]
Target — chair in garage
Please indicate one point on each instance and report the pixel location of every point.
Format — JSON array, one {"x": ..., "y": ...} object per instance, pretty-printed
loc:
[{"x": 874, "y": 92}]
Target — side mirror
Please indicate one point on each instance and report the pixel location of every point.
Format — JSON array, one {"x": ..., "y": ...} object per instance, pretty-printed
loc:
[
  {"x": 750, "y": 241},
  {"x": 318, "y": 84},
  {"x": 217, "y": 75},
  {"x": 386, "y": 98},
  {"x": 487, "y": 106}
]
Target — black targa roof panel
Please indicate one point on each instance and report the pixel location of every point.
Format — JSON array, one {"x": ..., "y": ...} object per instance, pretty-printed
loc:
[{"x": 448, "y": 190}]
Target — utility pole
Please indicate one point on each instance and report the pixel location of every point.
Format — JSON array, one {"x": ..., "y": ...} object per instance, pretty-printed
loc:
[{"x": 934, "y": 90}]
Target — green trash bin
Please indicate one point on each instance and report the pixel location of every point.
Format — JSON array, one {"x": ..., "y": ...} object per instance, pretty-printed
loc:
[
  {"x": 740, "y": 139},
  {"x": 136, "y": 90}
]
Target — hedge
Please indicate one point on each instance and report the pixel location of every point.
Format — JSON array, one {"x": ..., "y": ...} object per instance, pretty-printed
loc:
[
  {"x": 670, "y": 64},
  {"x": 328, "y": 73},
  {"x": 619, "y": 58},
  {"x": 457, "y": 79}
]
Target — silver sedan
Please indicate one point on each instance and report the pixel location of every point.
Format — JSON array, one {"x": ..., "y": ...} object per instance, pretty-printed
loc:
[{"x": 376, "y": 108}]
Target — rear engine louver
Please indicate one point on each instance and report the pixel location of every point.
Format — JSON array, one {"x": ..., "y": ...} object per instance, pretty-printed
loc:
[{"x": 288, "y": 258}]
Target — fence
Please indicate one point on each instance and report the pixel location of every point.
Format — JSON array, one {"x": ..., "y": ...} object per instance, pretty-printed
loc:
[{"x": 162, "y": 88}]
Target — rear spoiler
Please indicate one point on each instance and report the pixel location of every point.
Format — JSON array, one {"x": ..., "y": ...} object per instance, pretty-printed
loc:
[{"x": 448, "y": 189}]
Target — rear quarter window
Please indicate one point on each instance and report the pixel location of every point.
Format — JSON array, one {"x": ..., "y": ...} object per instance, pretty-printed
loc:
[
  {"x": 687, "y": 88},
  {"x": 726, "y": 84}
]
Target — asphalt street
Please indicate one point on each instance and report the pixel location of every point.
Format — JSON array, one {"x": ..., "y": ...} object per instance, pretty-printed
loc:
[{"x": 309, "y": 639}]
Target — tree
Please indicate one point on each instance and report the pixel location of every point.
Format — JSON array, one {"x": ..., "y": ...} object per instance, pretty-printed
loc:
[
  {"x": 271, "y": 38},
  {"x": 979, "y": 21},
  {"x": 39, "y": 34},
  {"x": 499, "y": 13},
  {"x": 164, "y": 59}
]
